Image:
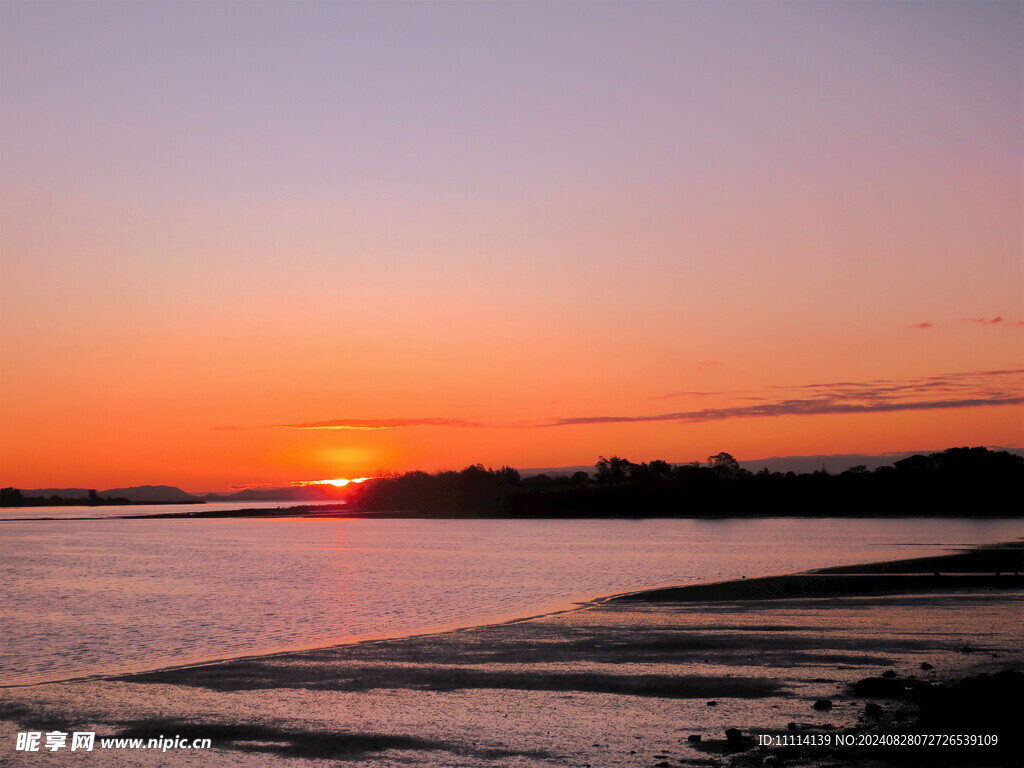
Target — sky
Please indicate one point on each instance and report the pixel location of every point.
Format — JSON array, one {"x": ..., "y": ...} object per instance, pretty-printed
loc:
[{"x": 254, "y": 243}]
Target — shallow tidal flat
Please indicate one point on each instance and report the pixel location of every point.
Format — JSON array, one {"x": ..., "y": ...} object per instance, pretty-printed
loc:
[{"x": 624, "y": 682}]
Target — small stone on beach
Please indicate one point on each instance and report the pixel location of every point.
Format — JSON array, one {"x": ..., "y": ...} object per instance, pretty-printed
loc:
[
  {"x": 822, "y": 704},
  {"x": 873, "y": 711}
]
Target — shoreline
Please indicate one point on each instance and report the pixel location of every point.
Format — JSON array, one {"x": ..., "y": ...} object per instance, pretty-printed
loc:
[
  {"x": 300, "y": 510},
  {"x": 994, "y": 566},
  {"x": 341, "y": 511},
  {"x": 822, "y": 583},
  {"x": 416, "y": 634},
  {"x": 630, "y": 680}
]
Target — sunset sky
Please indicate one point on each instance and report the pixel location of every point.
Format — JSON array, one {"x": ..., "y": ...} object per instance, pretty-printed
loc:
[{"x": 249, "y": 243}]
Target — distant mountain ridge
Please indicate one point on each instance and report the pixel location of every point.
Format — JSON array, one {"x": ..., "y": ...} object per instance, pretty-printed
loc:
[
  {"x": 140, "y": 493},
  {"x": 150, "y": 493}
]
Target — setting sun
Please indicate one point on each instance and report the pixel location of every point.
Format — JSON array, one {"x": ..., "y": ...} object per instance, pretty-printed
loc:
[{"x": 339, "y": 482}]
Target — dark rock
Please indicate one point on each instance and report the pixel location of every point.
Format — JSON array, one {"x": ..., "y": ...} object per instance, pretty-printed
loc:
[
  {"x": 967, "y": 649},
  {"x": 889, "y": 673},
  {"x": 886, "y": 688},
  {"x": 712, "y": 703},
  {"x": 663, "y": 764},
  {"x": 693, "y": 737},
  {"x": 791, "y": 726},
  {"x": 734, "y": 737},
  {"x": 822, "y": 704},
  {"x": 926, "y": 665},
  {"x": 989, "y": 701},
  {"x": 873, "y": 711}
]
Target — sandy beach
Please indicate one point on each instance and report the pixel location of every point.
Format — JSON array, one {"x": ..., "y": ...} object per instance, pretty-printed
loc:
[{"x": 648, "y": 679}]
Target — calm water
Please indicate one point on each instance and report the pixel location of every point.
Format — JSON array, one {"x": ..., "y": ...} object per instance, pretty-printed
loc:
[
  {"x": 82, "y": 597},
  {"x": 120, "y": 510}
]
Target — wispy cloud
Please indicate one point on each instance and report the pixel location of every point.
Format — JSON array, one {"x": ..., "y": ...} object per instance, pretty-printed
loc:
[
  {"x": 941, "y": 392},
  {"x": 366, "y": 424},
  {"x": 997, "y": 320},
  {"x": 925, "y": 324},
  {"x": 945, "y": 391},
  {"x": 696, "y": 393}
]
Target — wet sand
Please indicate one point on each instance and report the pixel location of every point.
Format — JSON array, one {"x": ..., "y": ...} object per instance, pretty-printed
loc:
[{"x": 628, "y": 681}]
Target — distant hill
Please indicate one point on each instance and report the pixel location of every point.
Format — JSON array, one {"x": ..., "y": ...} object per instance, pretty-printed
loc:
[
  {"x": 147, "y": 493},
  {"x": 150, "y": 493}
]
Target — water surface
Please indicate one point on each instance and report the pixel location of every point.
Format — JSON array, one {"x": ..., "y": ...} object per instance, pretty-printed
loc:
[
  {"x": 87, "y": 511},
  {"x": 83, "y": 597}
]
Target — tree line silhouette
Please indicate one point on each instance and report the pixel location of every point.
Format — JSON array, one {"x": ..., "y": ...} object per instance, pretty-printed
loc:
[{"x": 971, "y": 482}]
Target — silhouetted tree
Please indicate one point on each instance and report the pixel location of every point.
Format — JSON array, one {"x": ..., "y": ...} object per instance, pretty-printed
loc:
[
  {"x": 10, "y": 497},
  {"x": 508, "y": 476},
  {"x": 963, "y": 481},
  {"x": 724, "y": 465},
  {"x": 613, "y": 470},
  {"x": 580, "y": 478}
]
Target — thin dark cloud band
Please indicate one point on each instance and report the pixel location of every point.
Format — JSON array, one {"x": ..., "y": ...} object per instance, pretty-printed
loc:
[
  {"x": 972, "y": 389},
  {"x": 809, "y": 407},
  {"x": 366, "y": 424}
]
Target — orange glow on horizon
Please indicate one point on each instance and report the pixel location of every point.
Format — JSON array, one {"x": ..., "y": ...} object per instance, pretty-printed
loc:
[{"x": 339, "y": 482}]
